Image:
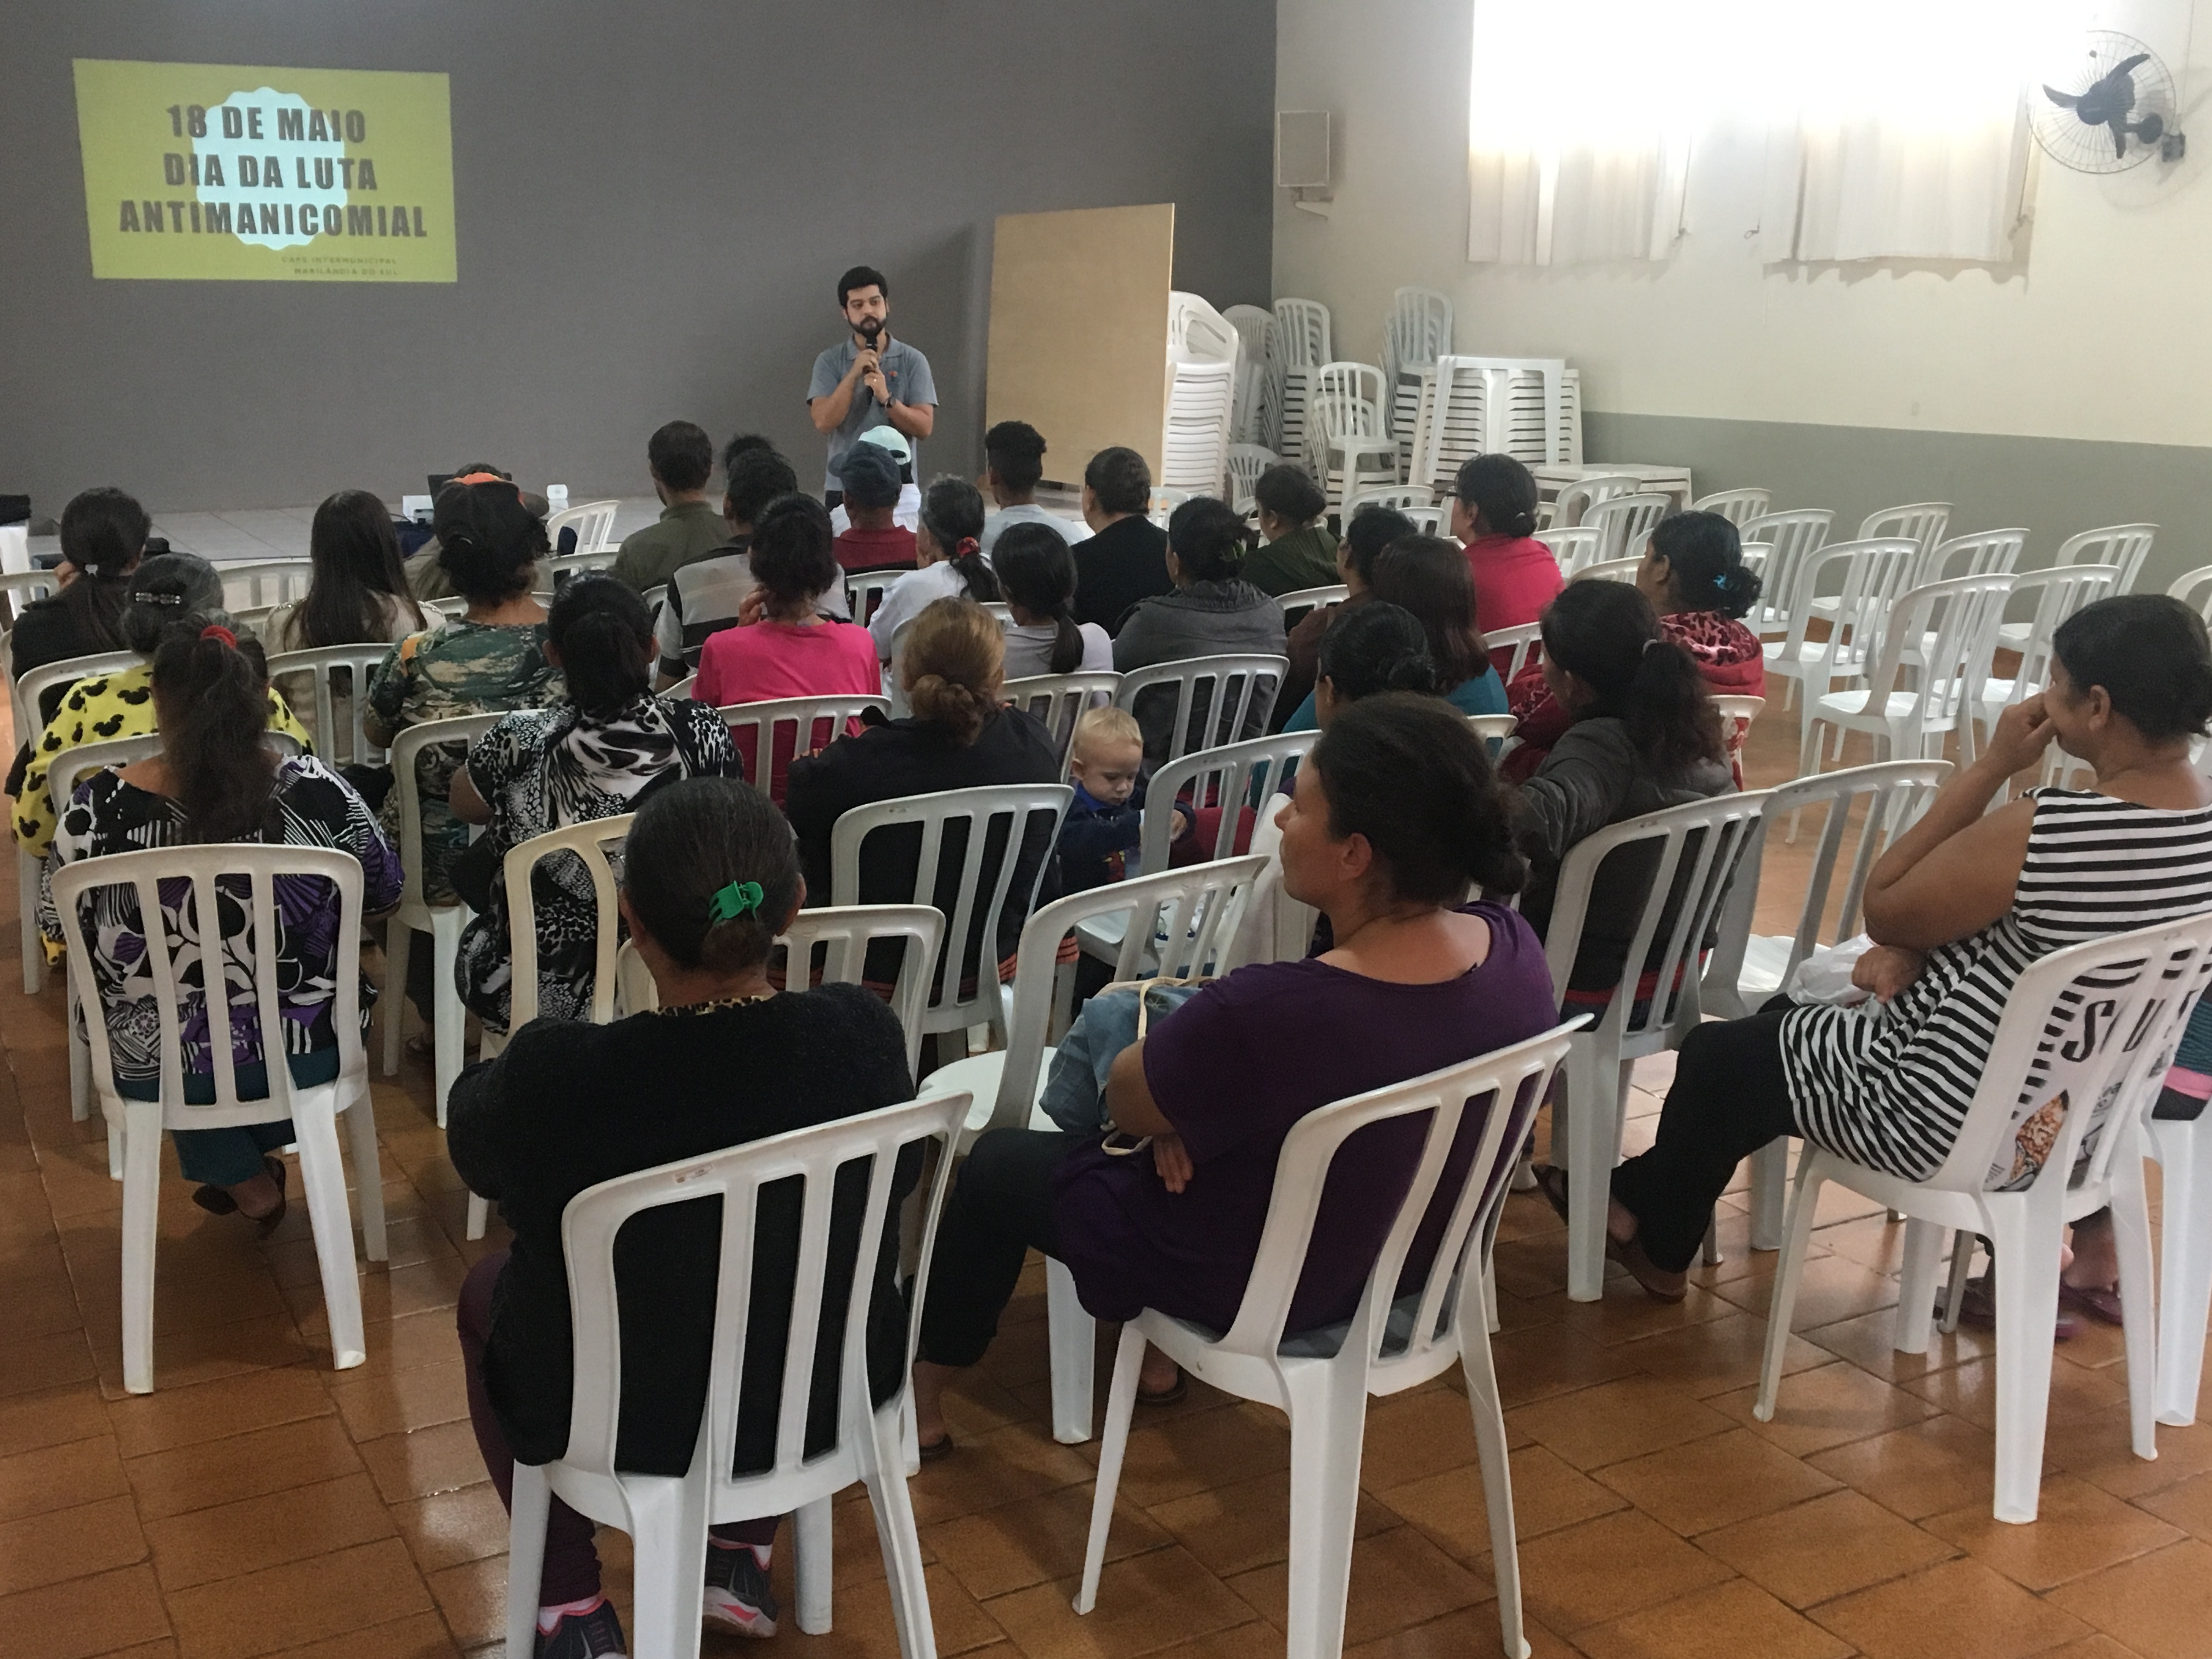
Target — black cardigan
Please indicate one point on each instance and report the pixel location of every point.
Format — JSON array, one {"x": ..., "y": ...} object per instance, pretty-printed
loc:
[
  {"x": 892, "y": 758},
  {"x": 569, "y": 1104}
]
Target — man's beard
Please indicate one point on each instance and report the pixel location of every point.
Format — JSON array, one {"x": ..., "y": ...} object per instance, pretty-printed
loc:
[{"x": 869, "y": 328}]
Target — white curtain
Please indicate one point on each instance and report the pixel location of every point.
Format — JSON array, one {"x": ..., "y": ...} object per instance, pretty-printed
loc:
[{"x": 1897, "y": 128}]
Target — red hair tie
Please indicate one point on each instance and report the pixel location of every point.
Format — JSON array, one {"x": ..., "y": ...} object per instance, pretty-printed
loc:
[
  {"x": 969, "y": 547},
  {"x": 217, "y": 631}
]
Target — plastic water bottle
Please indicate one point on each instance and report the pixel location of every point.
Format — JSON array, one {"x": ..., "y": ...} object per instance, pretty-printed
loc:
[{"x": 557, "y": 497}]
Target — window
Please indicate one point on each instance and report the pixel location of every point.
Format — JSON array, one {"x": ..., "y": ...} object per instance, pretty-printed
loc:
[{"x": 1895, "y": 129}]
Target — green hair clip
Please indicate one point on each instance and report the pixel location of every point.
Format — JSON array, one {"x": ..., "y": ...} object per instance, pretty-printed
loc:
[{"x": 738, "y": 898}]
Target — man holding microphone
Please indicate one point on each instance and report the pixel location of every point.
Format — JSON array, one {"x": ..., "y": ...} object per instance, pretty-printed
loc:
[{"x": 869, "y": 380}]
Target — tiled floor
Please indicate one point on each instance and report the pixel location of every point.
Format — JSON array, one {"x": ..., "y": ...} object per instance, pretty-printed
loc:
[
  {"x": 281, "y": 533},
  {"x": 260, "y": 1503}
]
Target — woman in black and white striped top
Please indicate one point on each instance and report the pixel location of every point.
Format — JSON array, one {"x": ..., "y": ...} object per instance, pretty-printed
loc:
[{"x": 1959, "y": 905}]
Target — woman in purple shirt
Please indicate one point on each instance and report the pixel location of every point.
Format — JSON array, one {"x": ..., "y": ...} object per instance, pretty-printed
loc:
[{"x": 1395, "y": 814}]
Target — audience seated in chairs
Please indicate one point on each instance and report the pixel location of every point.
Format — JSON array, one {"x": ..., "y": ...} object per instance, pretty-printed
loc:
[
  {"x": 959, "y": 736},
  {"x": 217, "y": 779},
  {"x": 1036, "y": 573},
  {"x": 1644, "y": 735},
  {"x": 1013, "y": 462},
  {"x": 786, "y": 645},
  {"x": 1213, "y": 611},
  {"x": 681, "y": 458},
  {"x": 1694, "y": 575},
  {"x": 120, "y": 703},
  {"x": 1493, "y": 511},
  {"x": 706, "y": 596},
  {"x": 1296, "y": 549},
  {"x": 1372, "y": 529},
  {"x": 1395, "y": 812},
  {"x": 1124, "y": 559},
  {"x": 710, "y": 880},
  {"x": 357, "y": 592},
  {"x": 1958, "y": 906},
  {"x": 872, "y": 486},
  {"x": 948, "y": 548},
  {"x": 1426, "y": 576},
  {"x": 103, "y": 537},
  {"x": 607, "y": 745}
]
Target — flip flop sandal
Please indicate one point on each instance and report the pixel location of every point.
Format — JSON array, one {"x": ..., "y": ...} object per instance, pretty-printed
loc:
[{"x": 2100, "y": 1302}]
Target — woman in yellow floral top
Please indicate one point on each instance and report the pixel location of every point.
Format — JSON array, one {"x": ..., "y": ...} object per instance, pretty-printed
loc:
[{"x": 120, "y": 704}]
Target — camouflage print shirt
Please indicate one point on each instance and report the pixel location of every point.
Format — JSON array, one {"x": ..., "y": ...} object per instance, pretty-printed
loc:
[{"x": 456, "y": 668}]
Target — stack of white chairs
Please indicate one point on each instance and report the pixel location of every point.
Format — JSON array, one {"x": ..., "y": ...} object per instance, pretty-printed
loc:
[
  {"x": 1694, "y": 850},
  {"x": 2143, "y": 983},
  {"x": 1468, "y": 406},
  {"x": 1346, "y": 447},
  {"x": 1254, "y": 326},
  {"x": 594, "y": 525},
  {"x": 1392, "y": 1341},
  {"x": 1788, "y": 537},
  {"x": 1298, "y": 345},
  {"x": 1738, "y": 507},
  {"x": 1417, "y": 332},
  {"x": 1246, "y": 462},
  {"x": 1204, "y": 353}
]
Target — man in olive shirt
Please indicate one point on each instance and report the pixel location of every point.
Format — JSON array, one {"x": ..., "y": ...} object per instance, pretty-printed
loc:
[{"x": 691, "y": 526}]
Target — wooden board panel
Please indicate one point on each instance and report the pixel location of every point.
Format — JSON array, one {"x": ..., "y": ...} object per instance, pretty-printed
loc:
[{"x": 1079, "y": 330}]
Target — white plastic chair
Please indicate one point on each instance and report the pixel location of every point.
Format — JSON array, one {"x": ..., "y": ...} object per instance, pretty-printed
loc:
[
  {"x": 2184, "y": 1150},
  {"x": 29, "y": 692},
  {"x": 1254, "y": 325},
  {"x": 1788, "y": 537},
  {"x": 1391, "y": 1343},
  {"x": 1347, "y": 448},
  {"x": 1418, "y": 331},
  {"x": 1300, "y": 600},
  {"x": 2194, "y": 589},
  {"x": 593, "y": 523},
  {"x": 2058, "y": 591},
  {"x": 1573, "y": 548},
  {"x": 1746, "y": 970},
  {"x": 312, "y": 1109},
  {"x": 1936, "y": 643},
  {"x": 443, "y": 922},
  {"x": 1022, "y": 809},
  {"x": 260, "y": 583},
  {"x": 1203, "y": 906},
  {"x": 812, "y": 723},
  {"x": 667, "y": 1516},
  {"x": 1404, "y": 498},
  {"x": 1492, "y": 728},
  {"x": 18, "y": 589},
  {"x": 1738, "y": 507},
  {"x": 561, "y": 566},
  {"x": 2126, "y": 545},
  {"x": 1610, "y": 570},
  {"x": 1624, "y": 523},
  {"x": 1297, "y": 345},
  {"x": 2050, "y": 1046},
  {"x": 1737, "y": 713},
  {"x": 1570, "y": 508},
  {"x": 684, "y": 687},
  {"x": 1871, "y": 577},
  {"x": 1526, "y": 642},
  {"x": 1240, "y": 691},
  {"x": 1694, "y": 850},
  {"x": 1195, "y": 435},
  {"x": 1242, "y": 471},
  {"x": 338, "y": 698},
  {"x": 1060, "y": 700},
  {"x": 865, "y": 591},
  {"x": 1984, "y": 553},
  {"x": 1921, "y": 522}
]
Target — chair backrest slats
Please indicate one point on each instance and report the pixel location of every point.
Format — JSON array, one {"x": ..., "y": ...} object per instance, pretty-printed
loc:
[
  {"x": 1871, "y": 575},
  {"x": 1920, "y": 522},
  {"x": 1059, "y": 701},
  {"x": 1622, "y": 522},
  {"x": 2126, "y": 545},
  {"x": 338, "y": 740},
  {"x": 594, "y": 845},
  {"x": 757, "y": 730},
  {"x": 407, "y": 788},
  {"x": 1232, "y": 778},
  {"x": 1738, "y": 507},
  {"x": 1789, "y": 537},
  {"x": 1241, "y": 687}
]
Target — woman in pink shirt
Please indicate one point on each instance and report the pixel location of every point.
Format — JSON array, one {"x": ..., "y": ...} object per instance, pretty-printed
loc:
[
  {"x": 784, "y": 646},
  {"x": 1493, "y": 511}
]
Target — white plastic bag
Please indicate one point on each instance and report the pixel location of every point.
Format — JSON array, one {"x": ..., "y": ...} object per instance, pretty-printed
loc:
[{"x": 1826, "y": 976}]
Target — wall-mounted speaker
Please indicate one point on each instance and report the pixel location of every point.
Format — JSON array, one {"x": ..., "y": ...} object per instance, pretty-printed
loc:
[{"x": 1302, "y": 148}]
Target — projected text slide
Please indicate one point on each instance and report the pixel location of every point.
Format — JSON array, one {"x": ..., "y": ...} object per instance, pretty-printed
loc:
[{"x": 218, "y": 172}]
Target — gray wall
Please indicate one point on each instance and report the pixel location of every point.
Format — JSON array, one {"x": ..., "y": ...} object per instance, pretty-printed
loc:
[
  {"x": 2058, "y": 486},
  {"x": 654, "y": 199}
]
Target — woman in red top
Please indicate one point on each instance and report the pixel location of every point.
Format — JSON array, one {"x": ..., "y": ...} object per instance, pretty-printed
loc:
[
  {"x": 1493, "y": 511},
  {"x": 1694, "y": 575}
]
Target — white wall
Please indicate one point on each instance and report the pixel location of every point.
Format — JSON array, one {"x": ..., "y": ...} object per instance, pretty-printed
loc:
[{"x": 2105, "y": 333}]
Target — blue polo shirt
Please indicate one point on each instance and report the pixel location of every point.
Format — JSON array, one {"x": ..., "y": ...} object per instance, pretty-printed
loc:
[{"x": 906, "y": 370}]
